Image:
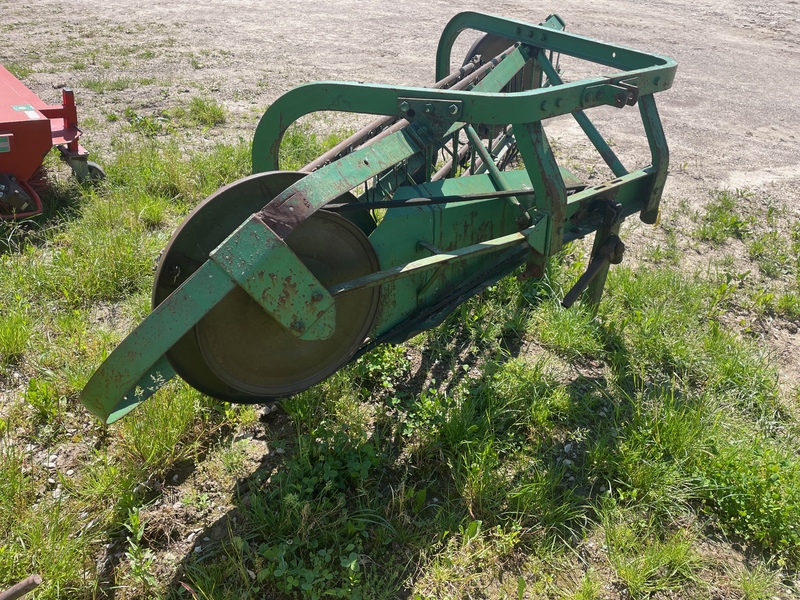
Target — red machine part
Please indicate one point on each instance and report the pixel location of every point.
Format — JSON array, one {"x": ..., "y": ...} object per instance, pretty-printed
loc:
[{"x": 29, "y": 128}]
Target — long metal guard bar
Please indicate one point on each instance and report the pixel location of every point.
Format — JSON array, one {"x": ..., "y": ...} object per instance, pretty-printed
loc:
[{"x": 549, "y": 213}]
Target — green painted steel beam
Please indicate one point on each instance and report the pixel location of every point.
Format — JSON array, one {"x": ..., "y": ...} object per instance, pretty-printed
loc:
[
  {"x": 551, "y": 192},
  {"x": 548, "y": 38},
  {"x": 114, "y": 389},
  {"x": 532, "y": 236},
  {"x": 474, "y": 107},
  {"x": 659, "y": 152},
  {"x": 585, "y": 123},
  {"x": 264, "y": 266}
]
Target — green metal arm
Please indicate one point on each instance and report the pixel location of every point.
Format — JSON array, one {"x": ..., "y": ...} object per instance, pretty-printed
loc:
[
  {"x": 548, "y": 38},
  {"x": 646, "y": 73}
]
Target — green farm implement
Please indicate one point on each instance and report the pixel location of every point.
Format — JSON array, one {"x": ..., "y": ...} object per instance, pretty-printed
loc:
[{"x": 279, "y": 279}]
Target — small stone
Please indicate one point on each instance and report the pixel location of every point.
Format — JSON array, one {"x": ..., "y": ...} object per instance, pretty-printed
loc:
[
  {"x": 280, "y": 451},
  {"x": 568, "y": 448},
  {"x": 70, "y": 472},
  {"x": 206, "y": 539},
  {"x": 57, "y": 493},
  {"x": 175, "y": 478},
  {"x": 567, "y": 462},
  {"x": 198, "y": 549},
  {"x": 51, "y": 481}
]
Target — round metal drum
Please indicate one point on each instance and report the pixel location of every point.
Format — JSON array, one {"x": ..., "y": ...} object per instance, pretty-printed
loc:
[
  {"x": 207, "y": 226},
  {"x": 248, "y": 350}
]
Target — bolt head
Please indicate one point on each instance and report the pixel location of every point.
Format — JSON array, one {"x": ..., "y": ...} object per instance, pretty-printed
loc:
[
  {"x": 299, "y": 326},
  {"x": 453, "y": 109},
  {"x": 428, "y": 108},
  {"x": 404, "y": 106}
]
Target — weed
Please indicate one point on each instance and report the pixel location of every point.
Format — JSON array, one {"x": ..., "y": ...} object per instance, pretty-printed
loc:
[
  {"x": 45, "y": 400},
  {"x": 572, "y": 332},
  {"x": 19, "y": 70},
  {"x": 383, "y": 367},
  {"x": 788, "y": 305},
  {"x": 15, "y": 333},
  {"x": 146, "y": 125},
  {"x": 180, "y": 426},
  {"x": 754, "y": 487},
  {"x": 666, "y": 252},
  {"x": 233, "y": 458},
  {"x": 100, "y": 86},
  {"x": 206, "y": 113},
  {"x": 140, "y": 558},
  {"x": 722, "y": 218},
  {"x": 757, "y": 582},
  {"x": 771, "y": 252},
  {"x": 197, "y": 500}
]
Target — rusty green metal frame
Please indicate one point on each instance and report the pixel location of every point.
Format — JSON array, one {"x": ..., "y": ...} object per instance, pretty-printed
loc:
[{"x": 544, "y": 215}]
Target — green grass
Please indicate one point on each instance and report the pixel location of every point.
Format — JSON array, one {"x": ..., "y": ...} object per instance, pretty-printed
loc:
[
  {"x": 518, "y": 450},
  {"x": 724, "y": 218},
  {"x": 101, "y": 86},
  {"x": 19, "y": 70},
  {"x": 205, "y": 112}
]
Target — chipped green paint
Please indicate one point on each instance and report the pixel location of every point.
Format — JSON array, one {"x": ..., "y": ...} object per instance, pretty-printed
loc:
[{"x": 442, "y": 238}]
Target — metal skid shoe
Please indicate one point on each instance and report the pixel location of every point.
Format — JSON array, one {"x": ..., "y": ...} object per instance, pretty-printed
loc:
[{"x": 277, "y": 280}]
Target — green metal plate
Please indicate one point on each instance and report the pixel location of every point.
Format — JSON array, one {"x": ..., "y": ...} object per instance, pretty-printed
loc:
[
  {"x": 206, "y": 227},
  {"x": 251, "y": 352}
]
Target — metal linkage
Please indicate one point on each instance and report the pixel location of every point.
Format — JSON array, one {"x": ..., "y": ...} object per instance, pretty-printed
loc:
[{"x": 277, "y": 280}]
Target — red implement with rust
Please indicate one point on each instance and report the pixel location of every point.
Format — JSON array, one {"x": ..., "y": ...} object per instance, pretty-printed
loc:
[{"x": 29, "y": 128}]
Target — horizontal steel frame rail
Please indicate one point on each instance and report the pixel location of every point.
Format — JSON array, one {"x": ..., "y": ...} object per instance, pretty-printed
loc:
[{"x": 649, "y": 73}]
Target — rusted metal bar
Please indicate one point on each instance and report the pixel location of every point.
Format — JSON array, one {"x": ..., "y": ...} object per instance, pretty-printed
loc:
[{"x": 24, "y": 587}]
